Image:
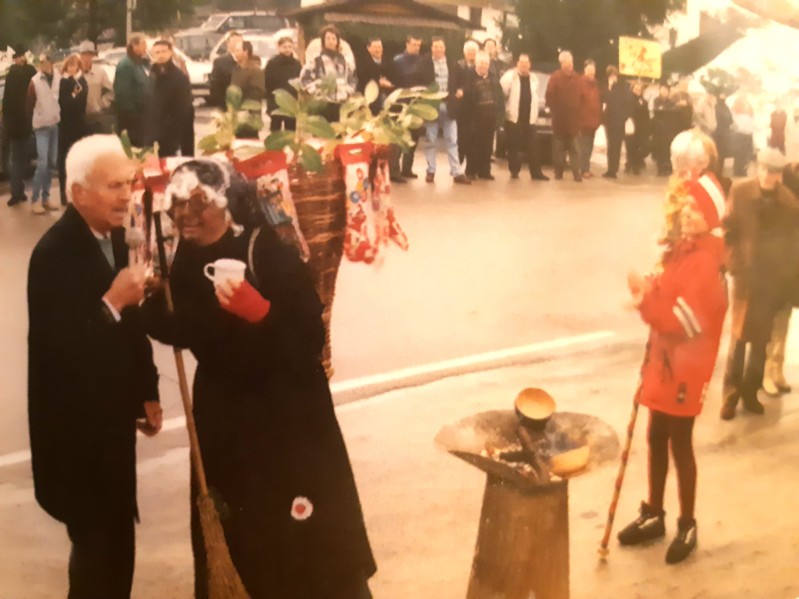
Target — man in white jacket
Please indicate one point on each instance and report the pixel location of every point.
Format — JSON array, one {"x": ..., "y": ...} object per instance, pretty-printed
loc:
[
  {"x": 520, "y": 88},
  {"x": 43, "y": 102}
]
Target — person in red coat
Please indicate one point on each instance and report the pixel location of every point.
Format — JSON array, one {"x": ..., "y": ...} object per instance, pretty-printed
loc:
[
  {"x": 591, "y": 116},
  {"x": 564, "y": 98},
  {"x": 684, "y": 305}
]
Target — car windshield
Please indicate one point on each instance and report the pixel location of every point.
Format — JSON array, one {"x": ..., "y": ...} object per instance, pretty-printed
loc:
[
  {"x": 197, "y": 45},
  {"x": 214, "y": 21}
]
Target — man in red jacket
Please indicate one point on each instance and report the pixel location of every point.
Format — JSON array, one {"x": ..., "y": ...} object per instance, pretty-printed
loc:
[
  {"x": 591, "y": 116},
  {"x": 564, "y": 99},
  {"x": 684, "y": 306}
]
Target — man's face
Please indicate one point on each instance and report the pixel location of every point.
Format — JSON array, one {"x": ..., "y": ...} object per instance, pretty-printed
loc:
[
  {"x": 490, "y": 46},
  {"x": 413, "y": 46},
  {"x": 331, "y": 41},
  {"x": 232, "y": 41},
  {"x": 481, "y": 66},
  {"x": 46, "y": 67},
  {"x": 768, "y": 179},
  {"x": 238, "y": 53},
  {"x": 567, "y": 64},
  {"x": 140, "y": 49},
  {"x": 103, "y": 199},
  {"x": 86, "y": 61},
  {"x": 469, "y": 53},
  {"x": 438, "y": 49},
  {"x": 287, "y": 48},
  {"x": 523, "y": 65},
  {"x": 376, "y": 50},
  {"x": 198, "y": 220},
  {"x": 161, "y": 54},
  {"x": 590, "y": 72}
]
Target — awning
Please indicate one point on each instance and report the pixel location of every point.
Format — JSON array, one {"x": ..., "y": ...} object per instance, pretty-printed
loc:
[{"x": 390, "y": 21}]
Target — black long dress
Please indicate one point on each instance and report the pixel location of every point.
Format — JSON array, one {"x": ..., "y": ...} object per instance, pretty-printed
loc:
[
  {"x": 72, "y": 125},
  {"x": 267, "y": 428}
]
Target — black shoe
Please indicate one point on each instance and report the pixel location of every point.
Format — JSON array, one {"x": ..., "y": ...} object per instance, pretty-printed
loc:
[
  {"x": 558, "y": 176},
  {"x": 17, "y": 200},
  {"x": 410, "y": 175},
  {"x": 751, "y": 404},
  {"x": 578, "y": 179},
  {"x": 683, "y": 544},
  {"x": 398, "y": 180},
  {"x": 610, "y": 175},
  {"x": 540, "y": 177},
  {"x": 649, "y": 525},
  {"x": 783, "y": 387},
  {"x": 488, "y": 177},
  {"x": 514, "y": 175}
]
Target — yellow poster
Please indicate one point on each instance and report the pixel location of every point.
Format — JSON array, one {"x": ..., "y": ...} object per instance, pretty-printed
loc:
[{"x": 639, "y": 58}]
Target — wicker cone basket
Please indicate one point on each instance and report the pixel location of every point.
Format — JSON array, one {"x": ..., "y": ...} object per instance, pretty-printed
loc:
[{"x": 320, "y": 200}]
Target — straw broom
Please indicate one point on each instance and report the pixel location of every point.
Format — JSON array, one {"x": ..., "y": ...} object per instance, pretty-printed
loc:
[{"x": 223, "y": 579}]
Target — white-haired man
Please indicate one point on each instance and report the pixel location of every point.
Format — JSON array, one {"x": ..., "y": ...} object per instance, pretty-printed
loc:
[
  {"x": 564, "y": 98},
  {"x": 484, "y": 104},
  {"x": 466, "y": 64},
  {"x": 91, "y": 377}
]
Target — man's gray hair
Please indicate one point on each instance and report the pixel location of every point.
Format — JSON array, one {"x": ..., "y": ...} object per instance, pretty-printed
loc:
[
  {"x": 85, "y": 153},
  {"x": 564, "y": 55},
  {"x": 471, "y": 45}
]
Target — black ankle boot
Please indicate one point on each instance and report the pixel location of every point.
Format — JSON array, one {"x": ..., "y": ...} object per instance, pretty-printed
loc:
[
  {"x": 751, "y": 404},
  {"x": 684, "y": 543},
  {"x": 649, "y": 525}
]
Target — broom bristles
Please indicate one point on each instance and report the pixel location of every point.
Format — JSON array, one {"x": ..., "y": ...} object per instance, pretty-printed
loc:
[{"x": 223, "y": 578}]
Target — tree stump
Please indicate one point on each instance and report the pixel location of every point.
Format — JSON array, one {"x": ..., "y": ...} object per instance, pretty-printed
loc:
[{"x": 523, "y": 543}]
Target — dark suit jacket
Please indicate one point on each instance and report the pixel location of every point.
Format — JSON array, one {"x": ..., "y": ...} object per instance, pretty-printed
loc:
[
  {"x": 427, "y": 75},
  {"x": 368, "y": 70},
  {"x": 88, "y": 376}
]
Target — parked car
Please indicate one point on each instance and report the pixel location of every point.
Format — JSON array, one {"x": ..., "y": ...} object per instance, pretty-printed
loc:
[
  {"x": 199, "y": 71},
  {"x": 265, "y": 22},
  {"x": 197, "y": 43}
]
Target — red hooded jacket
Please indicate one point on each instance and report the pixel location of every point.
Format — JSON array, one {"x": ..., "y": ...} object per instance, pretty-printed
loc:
[{"x": 685, "y": 308}]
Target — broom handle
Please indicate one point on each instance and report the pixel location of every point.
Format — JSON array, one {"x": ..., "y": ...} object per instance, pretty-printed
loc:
[
  {"x": 620, "y": 478},
  {"x": 185, "y": 395}
]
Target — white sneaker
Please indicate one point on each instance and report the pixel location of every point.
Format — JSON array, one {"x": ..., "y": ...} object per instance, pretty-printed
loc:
[
  {"x": 37, "y": 208},
  {"x": 51, "y": 207}
]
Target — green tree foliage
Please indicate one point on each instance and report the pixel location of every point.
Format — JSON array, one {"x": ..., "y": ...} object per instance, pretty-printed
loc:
[
  {"x": 59, "y": 23},
  {"x": 589, "y": 28}
]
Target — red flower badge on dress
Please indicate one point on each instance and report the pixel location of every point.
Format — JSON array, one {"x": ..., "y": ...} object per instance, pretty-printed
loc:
[{"x": 301, "y": 508}]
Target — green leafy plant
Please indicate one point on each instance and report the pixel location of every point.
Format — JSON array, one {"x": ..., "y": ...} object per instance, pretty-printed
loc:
[
  {"x": 137, "y": 154},
  {"x": 315, "y": 137},
  {"x": 240, "y": 115}
]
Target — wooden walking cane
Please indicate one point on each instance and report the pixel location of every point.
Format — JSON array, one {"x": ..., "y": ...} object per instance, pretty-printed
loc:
[
  {"x": 625, "y": 455},
  {"x": 223, "y": 579}
]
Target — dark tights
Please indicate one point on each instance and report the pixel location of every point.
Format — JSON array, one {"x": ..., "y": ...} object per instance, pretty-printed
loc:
[{"x": 677, "y": 431}]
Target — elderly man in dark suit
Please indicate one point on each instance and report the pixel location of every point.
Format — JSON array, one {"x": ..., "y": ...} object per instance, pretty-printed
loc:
[
  {"x": 762, "y": 232},
  {"x": 91, "y": 378}
]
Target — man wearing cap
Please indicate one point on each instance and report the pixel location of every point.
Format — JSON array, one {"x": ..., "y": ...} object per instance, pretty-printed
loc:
[
  {"x": 100, "y": 91},
  {"x": 774, "y": 383},
  {"x": 17, "y": 125},
  {"x": 762, "y": 233}
]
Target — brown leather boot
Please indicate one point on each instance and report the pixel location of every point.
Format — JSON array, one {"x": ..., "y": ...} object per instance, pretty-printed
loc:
[{"x": 729, "y": 406}]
